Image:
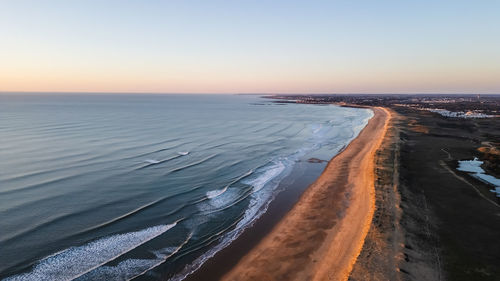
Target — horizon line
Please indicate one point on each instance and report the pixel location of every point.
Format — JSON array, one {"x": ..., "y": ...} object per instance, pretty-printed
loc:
[{"x": 242, "y": 93}]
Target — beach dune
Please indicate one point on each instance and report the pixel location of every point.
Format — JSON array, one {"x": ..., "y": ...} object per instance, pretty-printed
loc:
[{"x": 321, "y": 237}]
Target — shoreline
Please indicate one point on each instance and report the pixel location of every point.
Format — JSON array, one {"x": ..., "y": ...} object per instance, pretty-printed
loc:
[
  {"x": 419, "y": 231},
  {"x": 382, "y": 252},
  {"x": 304, "y": 174},
  {"x": 300, "y": 246}
]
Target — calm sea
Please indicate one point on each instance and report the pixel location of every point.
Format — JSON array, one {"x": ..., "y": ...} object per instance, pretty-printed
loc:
[{"x": 114, "y": 187}]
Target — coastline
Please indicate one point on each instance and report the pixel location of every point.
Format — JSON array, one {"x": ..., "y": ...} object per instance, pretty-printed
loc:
[
  {"x": 382, "y": 253},
  {"x": 417, "y": 232},
  {"x": 303, "y": 174},
  {"x": 431, "y": 220},
  {"x": 441, "y": 237},
  {"x": 322, "y": 235}
]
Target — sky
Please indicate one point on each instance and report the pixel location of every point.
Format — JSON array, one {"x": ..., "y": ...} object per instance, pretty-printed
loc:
[{"x": 239, "y": 46}]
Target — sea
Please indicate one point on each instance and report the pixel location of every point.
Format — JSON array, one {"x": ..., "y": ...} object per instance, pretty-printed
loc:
[{"x": 146, "y": 187}]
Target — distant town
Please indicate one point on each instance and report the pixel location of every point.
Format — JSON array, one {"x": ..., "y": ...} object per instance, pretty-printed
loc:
[{"x": 455, "y": 106}]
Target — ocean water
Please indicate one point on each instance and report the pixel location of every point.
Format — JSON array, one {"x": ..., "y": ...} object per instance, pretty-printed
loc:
[{"x": 117, "y": 187}]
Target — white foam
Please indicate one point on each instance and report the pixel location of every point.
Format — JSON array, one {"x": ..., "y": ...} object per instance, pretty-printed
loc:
[
  {"x": 125, "y": 270},
  {"x": 152, "y": 161},
  {"x": 214, "y": 193},
  {"x": 219, "y": 201},
  {"x": 131, "y": 268},
  {"x": 258, "y": 205},
  {"x": 183, "y": 153},
  {"x": 259, "y": 182},
  {"x": 263, "y": 192},
  {"x": 76, "y": 261}
]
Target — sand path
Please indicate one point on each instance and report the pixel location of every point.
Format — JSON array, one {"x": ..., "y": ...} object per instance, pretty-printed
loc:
[{"x": 321, "y": 237}]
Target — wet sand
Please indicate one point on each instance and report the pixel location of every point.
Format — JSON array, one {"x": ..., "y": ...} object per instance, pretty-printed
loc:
[
  {"x": 303, "y": 174},
  {"x": 321, "y": 237}
]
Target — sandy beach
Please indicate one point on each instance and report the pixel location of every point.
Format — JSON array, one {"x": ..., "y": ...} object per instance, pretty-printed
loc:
[
  {"x": 321, "y": 237},
  {"x": 418, "y": 231}
]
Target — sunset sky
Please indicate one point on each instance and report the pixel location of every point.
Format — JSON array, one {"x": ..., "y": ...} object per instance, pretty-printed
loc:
[{"x": 250, "y": 46}]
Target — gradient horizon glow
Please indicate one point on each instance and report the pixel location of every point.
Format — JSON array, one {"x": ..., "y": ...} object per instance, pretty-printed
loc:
[{"x": 250, "y": 46}]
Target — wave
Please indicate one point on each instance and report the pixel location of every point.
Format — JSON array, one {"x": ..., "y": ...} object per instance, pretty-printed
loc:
[
  {"x": 151, "y": 162},
  {"x": 45, "y": 183},
  {"x": 218, "y": 204},
  {"x": 132, "y": 268},
  {"x": 183, "y": 153},
  {"x": 269, "y": 174},
  {"x": 121, "y": 151},
  {"x": 77, "y": 261},
  {"x": 258, "y": 206},
  {"x": 218, "y": 145},
  {"x": 215, "y": 193},
  {"x": 280, "y": 140},
  {"x": 42, "y": 184},
  {"x": 128, "y": 214},
  {"x": 83, "y": 163},
  {"x": 193, "y": 164},
  {"x": 61, "y": 218},
  {"x": 160, "y": 150},
  {"x": 316, "y": 128},
  {"x": 264, "y": 128}
]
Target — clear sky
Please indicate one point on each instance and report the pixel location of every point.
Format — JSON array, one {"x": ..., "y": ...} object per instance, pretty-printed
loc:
[{"x": 239, "y": 46}]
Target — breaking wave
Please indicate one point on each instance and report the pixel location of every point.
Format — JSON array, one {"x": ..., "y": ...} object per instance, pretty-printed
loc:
[
  {"x": 258, "y": 205},
  {"x": 131, "y": 268},
  {"x": 76, "y": 261},
  {"x": 215, "y": 193}
]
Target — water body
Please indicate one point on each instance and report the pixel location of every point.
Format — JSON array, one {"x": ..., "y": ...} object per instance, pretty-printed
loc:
[
  {"x": 474, "y": 168},
  {"x": 116, "y": 187}
]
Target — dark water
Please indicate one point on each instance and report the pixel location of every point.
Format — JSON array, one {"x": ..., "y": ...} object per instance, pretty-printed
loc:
[{"x": 119, "y": 186}]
